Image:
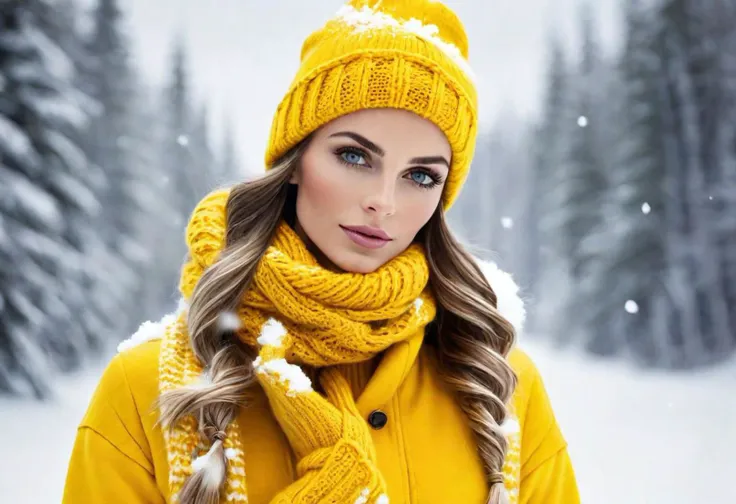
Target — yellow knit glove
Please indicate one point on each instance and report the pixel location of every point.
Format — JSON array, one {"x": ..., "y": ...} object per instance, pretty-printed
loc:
[{"x": 332, "y": 442}]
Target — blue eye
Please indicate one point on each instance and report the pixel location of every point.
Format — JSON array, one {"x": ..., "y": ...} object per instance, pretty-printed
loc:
[
  {"x": 353, "y": 158},
  {"x": 421, "y": 178}
]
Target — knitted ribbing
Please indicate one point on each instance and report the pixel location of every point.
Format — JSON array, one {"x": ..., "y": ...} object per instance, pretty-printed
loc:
[
  {"x": 336, "y": 459},
  {"x": 403, "y": 54},
  {"x": 328, "y": 315},
  {"x": 329, "y": 318}
]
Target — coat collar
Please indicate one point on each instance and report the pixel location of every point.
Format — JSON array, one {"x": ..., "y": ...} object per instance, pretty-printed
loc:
[{"x": 399, "y": 359}]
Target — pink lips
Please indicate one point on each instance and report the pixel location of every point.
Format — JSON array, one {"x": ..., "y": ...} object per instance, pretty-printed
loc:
[{"x": 368, "y": 237}]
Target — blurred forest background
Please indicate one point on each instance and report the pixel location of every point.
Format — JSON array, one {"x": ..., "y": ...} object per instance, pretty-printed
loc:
[{"x": 615, "y": 209}]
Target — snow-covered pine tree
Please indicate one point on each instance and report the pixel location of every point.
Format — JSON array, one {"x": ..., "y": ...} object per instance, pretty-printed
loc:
[
  {"x": 41, "y": 175},
  {"x": 549, "y": 270},
  {"x": 495, "y": 195},
  {"x": 713, "y": 66},
  {"x": 191, "y": 182},
  {"x": 230, "y": 168},
  {"x": 162, "y": 222},
  {"x": 724, "y": 196},
  {"x": 584, "y": 177},
  {"x": 506, "y": 194},
  {"x": 184, "y": 182},
  {"x": 470, "y": 215},
  {"x": 519, "y": 223},
  {"x": 691, "y": 121},
  {"x": 118, "y": 258},
  {"x": 201, "y": 148},
  {"x": 626, "y": 282},
  {"x": 77, "y": 191}
]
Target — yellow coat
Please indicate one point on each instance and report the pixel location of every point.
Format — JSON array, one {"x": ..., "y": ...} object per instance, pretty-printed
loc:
[{"x": 426, "y": 451}]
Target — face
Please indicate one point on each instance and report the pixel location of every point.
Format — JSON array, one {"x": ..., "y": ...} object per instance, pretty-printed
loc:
[{"x": 368, "y": 182}]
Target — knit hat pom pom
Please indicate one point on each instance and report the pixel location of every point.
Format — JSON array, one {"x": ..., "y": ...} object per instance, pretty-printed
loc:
[{"x": 427, "y": 12}]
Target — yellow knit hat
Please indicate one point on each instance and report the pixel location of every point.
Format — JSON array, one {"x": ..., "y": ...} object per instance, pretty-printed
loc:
[{"x": 405, "y": 54}]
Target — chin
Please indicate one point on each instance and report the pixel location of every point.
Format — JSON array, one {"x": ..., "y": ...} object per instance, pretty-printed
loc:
[{"x": 356, "y": 263}]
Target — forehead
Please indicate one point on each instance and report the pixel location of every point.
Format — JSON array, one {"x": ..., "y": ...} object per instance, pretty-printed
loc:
[{"x": 396, "y": 131}]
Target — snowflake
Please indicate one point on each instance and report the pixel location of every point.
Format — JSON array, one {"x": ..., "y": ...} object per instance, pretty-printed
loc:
[
  {"x": 631, "y": 306},
  {"x": 228, "y": 322}
]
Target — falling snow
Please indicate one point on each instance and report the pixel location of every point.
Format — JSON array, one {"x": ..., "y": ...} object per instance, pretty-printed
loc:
[
  {"x": 645, "y": 208},
  {"x": 182, "y": 140},
  {"x": 507, "y": 222},
  {"x": 228, "y": 322},
  {"x": 582, "y": 121},
  {"x": 631, "y": 306}
]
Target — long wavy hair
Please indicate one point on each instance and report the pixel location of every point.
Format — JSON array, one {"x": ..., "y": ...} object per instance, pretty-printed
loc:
[{"x": 470, "y": 335}]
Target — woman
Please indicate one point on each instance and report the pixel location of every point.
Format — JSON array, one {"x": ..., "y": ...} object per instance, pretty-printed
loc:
[{"x": 335, "y": 343}]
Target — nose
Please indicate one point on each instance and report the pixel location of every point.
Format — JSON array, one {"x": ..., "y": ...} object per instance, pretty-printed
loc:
[{"x": 381, "y": 197}]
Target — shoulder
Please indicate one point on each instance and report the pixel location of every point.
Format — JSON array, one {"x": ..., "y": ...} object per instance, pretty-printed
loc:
[
  {"x": 128, "y": 385},
  {"x": 530, "y": 390},
  {"x": 140, "y": 365},
  {"x": 540, "y": 432},
  {"x": 120, "y": 412},
  {"x": 526, "y": 371},
  {"x": 135, "y": 367}
]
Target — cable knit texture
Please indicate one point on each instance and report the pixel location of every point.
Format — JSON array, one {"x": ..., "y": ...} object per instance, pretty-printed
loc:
[
  {"x": 332, "y": 443},
  {"x": 404, "y": 54},
  {"x": 297, "y": 312},
  {"x": 328, "y": 315}
]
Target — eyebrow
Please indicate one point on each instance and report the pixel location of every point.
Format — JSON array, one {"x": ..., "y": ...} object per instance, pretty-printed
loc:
[
  {"x": 430, "y": 160},
  {"x": 379, "y": 151}
]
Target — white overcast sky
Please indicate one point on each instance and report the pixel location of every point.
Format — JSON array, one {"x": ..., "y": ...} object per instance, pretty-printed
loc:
[{"x": 243, "y": 53}]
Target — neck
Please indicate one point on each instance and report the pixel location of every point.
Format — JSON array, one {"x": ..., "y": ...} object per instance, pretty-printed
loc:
[{"x": 322, "y": 259}]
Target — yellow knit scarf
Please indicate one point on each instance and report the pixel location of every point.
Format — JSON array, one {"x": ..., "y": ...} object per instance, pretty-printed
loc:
[{"x": 331, "y": 318}]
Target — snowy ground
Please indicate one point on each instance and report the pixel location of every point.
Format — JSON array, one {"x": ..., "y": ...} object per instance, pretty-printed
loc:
[
  {"x": 644, "y": 437},
  {"x": 635, "y": 438}
]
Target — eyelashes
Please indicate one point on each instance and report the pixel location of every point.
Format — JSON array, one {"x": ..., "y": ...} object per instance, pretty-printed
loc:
[
  {"x": 434, "y": 178},
  {"x": 356, "y": 157},
  {"x": 343, "y": 153}
]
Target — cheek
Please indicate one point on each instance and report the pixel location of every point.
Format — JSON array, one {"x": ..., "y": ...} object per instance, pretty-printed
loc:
[
  {"x": 418, "y": 209},
  {"x": 325, "y": 190}
]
